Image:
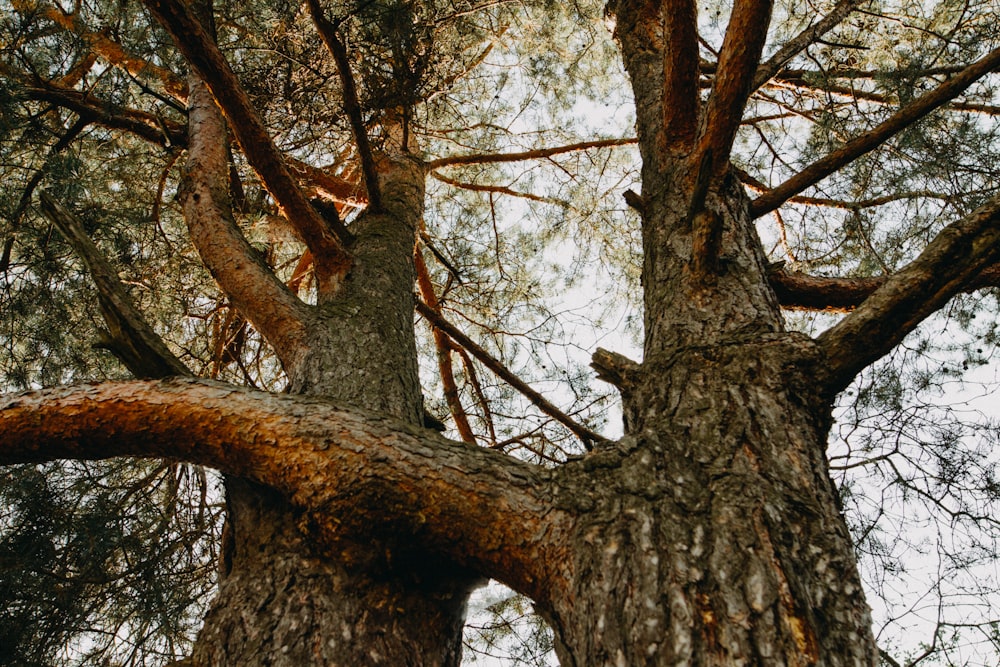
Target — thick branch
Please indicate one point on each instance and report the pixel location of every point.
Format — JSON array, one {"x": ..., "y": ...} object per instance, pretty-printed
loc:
[
  {"x": 585, "y": 434},
  {"x": 858, "y": 146},
  {"x": 960, "y": 253},
  {"x": 130, "y": 338},
  {"x": 680, "y": 74},
  {"x": 800, "y": 291},
  {"x": 328, "y": 33},
  {"x": 241, "y": 273},
  {"x": 795, "y": 45},
  {"x": 738, "y": 60},
  {"x": 354, "y": 472},
  {"x": 204, "y": 56}
]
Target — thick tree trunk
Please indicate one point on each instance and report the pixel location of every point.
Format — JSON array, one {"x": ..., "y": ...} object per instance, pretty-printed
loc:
[
  {"x": 715, "y": 536},
  {"x": 287, "y": 600},
  {"x": 291, "y": 597}
]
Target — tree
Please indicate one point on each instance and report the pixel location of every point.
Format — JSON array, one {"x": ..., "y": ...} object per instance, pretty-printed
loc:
[{"x": 711, "y": 531}]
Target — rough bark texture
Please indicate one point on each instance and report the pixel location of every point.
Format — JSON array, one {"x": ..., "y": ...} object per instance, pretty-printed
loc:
[
  {"x": 710, "y": 534},
  {"x": 373, "y": 599},
  {"x": 715, "y": 536}
]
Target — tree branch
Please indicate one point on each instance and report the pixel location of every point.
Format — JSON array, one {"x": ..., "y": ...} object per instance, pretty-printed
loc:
[
  {"x": 858, "y": 146},
  {"x": 241, "y": 273},
  {"x": 152, "y": 128},
  {"x": 588, "y": 436},
  {"x": 109, "y": 50},
  {"x": 960, "y": 253},
  {"x": 738, "y": 61},
  {"x": 795, "y": 45},
  {"x": 801, "y": 291},
  {"x": 498, "y": 189},
  {"x": 29, "y": 190},
  {"x": 129, "y": 337},
  {"x": 783, "y": 81},
  {"x": 201, "y": 52},
  {"x": 443, "y": 346},
  {"x": 353, "y": 472},
  {"x": 537, "y": 154},
  {"x": 680, "y": 74},
  {"x": 328, "y": 33}
]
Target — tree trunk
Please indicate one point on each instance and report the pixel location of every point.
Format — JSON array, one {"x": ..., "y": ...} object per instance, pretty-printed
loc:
[
  {"x": 291, "y": 597},
  {"x": 288, "y": 601},
  {"x": 715, "y": 536}
]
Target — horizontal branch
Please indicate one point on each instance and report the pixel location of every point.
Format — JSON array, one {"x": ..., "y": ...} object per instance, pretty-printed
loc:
[
  {"x": 871, "y": 140},
  {"x": 537, "y": 154},
  {"x": 150, "y": 127},
  {"x": 801, "y": 291},
  {"x": 588, "y": 436},
  {"x": 498, "y": 189},
  {"x": 781, "y": 80},
  {"x": 475, "y": 506},
  {"x": 953, "y": 260}
]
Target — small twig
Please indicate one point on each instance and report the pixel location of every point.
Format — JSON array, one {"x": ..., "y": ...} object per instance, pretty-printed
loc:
[
  {"x": 493, "y": 158},
  {"x": 441, "y": 341}
]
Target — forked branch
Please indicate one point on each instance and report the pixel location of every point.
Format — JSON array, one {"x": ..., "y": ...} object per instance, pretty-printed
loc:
[
  {"x": 871, "y": 140},
  {"x": 241, "y": 273},
  {"x": 202, "y": 53},
  {"x": 960, "y": 253}
]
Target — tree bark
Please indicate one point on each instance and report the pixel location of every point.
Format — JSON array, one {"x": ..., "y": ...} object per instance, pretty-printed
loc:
[{"x": 288, "y": 598}]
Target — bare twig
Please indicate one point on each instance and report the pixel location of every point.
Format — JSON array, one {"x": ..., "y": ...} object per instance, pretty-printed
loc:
[
  {"x": 537, "y": 154},
  {"x": 871, "y": 140},
  {"x": 586, "y": 435},
  {"x": 443, "y": 345}
]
